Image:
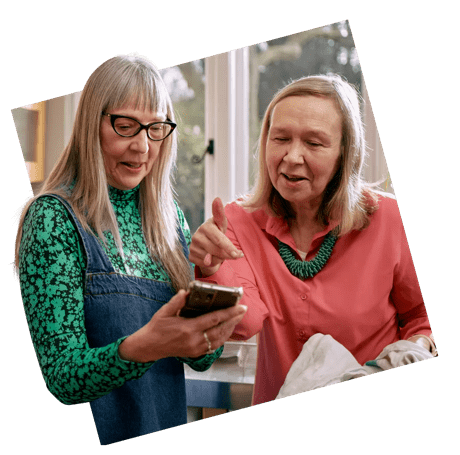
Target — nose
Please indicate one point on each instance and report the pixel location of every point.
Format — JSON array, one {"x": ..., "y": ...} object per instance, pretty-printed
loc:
[
  {"x": 294, "y": 153},
  {"x": 140, "y": 142}
]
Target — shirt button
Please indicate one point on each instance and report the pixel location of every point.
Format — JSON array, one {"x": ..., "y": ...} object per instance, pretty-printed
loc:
[
  {"x": 303, "y": 296},
  {"x": 302, "y": 336}
]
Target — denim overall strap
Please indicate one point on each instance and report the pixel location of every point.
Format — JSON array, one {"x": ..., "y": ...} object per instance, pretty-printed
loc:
[
  {"x": 115, "y": 306},
  {"x": 97, "y": 260}
]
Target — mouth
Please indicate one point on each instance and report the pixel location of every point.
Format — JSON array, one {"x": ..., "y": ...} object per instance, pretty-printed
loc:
[
  {"x": 132, "y": 165},
  {"x": 293, "y": 178}
]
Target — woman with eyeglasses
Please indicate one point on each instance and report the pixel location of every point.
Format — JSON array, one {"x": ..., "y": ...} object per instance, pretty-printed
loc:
[{"x": 102, "y": 257}]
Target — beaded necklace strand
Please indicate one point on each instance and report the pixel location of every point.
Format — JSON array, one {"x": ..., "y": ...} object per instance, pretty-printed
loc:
[{"x": 307, "y": 269}]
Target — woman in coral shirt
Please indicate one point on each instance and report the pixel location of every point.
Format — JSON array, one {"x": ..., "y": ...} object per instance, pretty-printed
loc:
[{"x": 316, "y": 249}]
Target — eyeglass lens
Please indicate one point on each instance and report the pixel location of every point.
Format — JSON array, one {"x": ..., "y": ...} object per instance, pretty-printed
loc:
[{"x": 129, "y": 127}]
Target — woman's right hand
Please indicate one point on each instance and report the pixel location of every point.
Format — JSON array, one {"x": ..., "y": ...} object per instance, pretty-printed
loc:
[
  {"x": 170, "y": 335},
  {"x": 210, "y": 246}
]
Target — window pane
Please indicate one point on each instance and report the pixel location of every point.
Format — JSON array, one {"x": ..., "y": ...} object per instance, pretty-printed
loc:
[{"x": 185, "y": 84}]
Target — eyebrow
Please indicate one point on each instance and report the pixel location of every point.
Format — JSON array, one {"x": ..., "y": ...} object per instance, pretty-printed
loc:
[
  {"x": 163, "y": 118},
  {"x": 310, "y": 132}
]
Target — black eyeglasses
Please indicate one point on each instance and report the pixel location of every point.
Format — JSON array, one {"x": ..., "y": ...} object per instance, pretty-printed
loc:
[{"x": 129, "y": 127}]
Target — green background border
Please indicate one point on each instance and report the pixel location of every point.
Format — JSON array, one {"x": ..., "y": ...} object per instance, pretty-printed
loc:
[{"x": 407, "y": 55}]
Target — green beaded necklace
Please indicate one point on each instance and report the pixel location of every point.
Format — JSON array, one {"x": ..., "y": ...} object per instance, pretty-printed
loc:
[{"x": 307, "y": 269}]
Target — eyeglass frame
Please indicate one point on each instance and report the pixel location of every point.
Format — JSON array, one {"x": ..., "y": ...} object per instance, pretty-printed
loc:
[{"x": 114, "y": 117}]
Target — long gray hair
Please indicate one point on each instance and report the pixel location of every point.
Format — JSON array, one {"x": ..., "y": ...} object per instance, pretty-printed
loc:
[
  {"x": 347, "y": 199},
  {"x": 117, "y": 82}
]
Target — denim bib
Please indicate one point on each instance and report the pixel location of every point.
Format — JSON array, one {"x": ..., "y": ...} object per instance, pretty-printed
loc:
[{"x": 115, "y": 306}]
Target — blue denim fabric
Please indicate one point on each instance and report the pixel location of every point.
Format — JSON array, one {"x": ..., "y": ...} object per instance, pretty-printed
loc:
[{"x": 115, "y": 306}]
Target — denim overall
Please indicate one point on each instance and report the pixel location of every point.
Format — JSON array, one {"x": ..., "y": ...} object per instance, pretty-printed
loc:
[{"x": 117, "y": 305}]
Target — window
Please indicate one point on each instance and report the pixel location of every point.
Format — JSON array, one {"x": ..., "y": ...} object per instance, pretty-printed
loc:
[{"x": 185, "y": 84}]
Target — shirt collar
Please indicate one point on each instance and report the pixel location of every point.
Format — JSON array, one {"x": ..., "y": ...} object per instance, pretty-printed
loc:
[
  {"x": 279, "y": 228},
  {"x": 123, "y": 195}
]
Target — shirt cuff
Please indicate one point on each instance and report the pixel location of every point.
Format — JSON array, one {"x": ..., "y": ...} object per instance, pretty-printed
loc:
[
  {"x": 136, "y": 368},
  {"x": 202, "y": 363}
]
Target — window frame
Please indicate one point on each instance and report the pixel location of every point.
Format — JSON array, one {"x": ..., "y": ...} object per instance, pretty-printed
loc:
[{"x": 227, "y": 123}]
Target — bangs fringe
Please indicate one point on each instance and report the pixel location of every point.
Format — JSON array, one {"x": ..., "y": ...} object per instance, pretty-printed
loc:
[{"x": 139, "y": 89}]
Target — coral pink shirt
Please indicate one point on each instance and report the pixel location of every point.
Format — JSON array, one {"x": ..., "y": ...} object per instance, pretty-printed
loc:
[{"x": 366, "y": 296}]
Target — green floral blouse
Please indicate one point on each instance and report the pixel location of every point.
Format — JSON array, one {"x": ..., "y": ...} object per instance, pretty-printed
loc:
[{"x": 51, "y": 270}]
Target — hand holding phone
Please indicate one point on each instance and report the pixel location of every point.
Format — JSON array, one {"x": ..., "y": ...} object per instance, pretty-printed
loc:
[{"x": 206, "y": 297}]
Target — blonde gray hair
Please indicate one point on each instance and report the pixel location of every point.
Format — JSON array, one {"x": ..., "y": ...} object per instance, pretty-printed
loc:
[
  {"x": 117, "y": 82},
  {"x": 347, "y": 198}
]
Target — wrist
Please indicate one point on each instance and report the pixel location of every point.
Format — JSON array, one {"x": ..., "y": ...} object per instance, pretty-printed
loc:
[
  {"x": 127, "y": 351},
  {"x": 132, "y": 349}
]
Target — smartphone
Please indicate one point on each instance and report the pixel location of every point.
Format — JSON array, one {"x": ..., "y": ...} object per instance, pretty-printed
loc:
[{"x": 206, "y": 297}]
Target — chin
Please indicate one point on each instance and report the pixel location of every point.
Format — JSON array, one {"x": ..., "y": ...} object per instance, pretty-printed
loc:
[{"x": 294, "y": 198}]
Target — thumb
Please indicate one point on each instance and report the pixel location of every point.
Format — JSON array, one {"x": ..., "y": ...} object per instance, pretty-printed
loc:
[
  {"x": 174, "y": 305},
  {"x": 218, "y": 214}
]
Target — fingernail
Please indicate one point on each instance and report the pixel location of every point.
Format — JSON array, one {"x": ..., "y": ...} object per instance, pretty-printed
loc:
[{"x": 244, "y": 307}]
